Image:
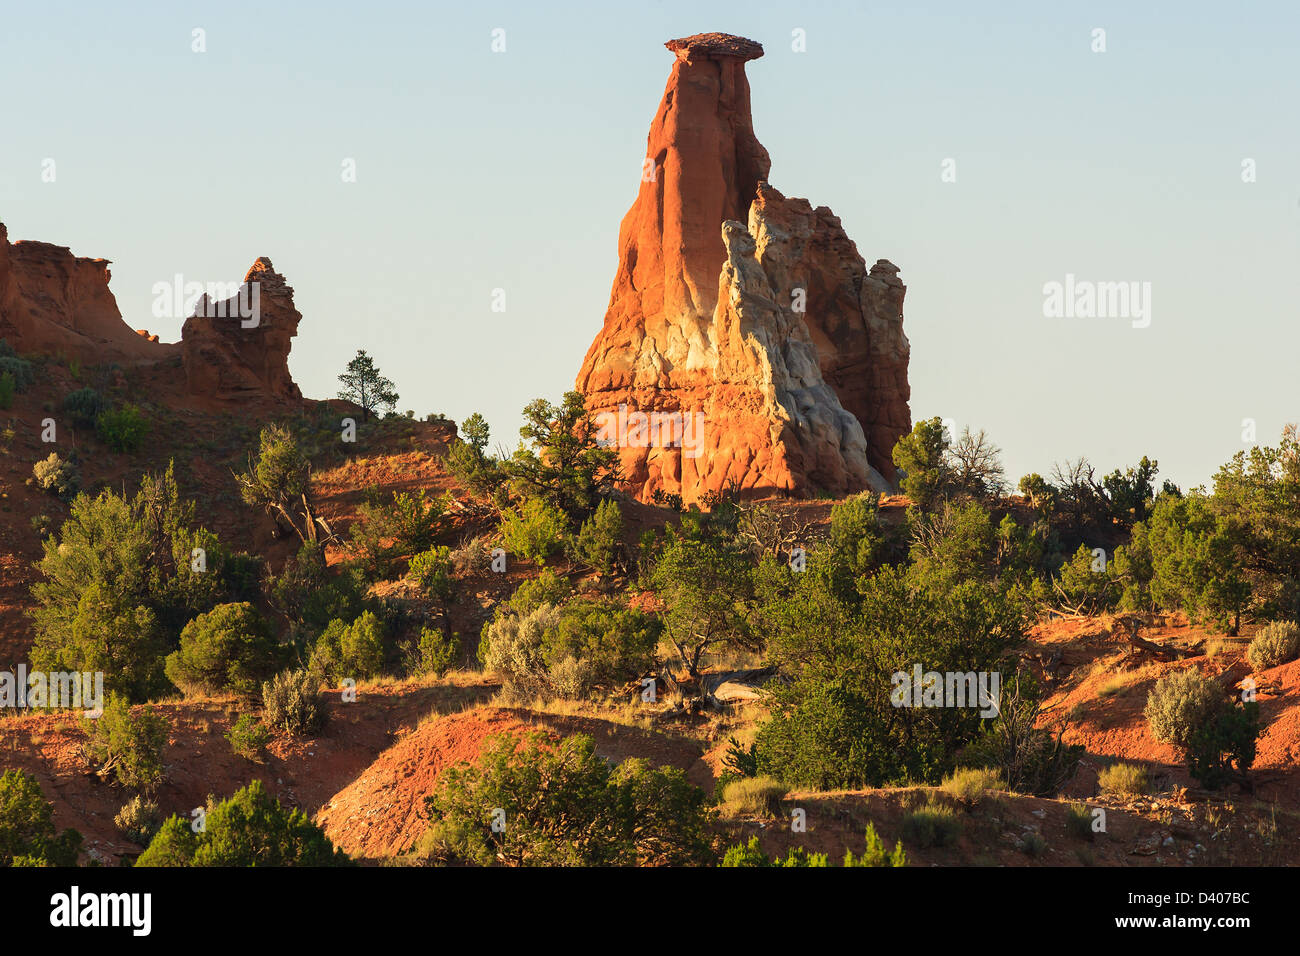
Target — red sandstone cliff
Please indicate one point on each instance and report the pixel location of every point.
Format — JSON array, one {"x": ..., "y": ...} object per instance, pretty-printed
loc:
[{"x": 56, "y": 303}]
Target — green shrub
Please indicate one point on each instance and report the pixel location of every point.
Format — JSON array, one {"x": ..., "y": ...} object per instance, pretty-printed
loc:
[
  {"x": 875, "y": 853},
  {"x": 467, "y": 459},
  {"x": 800, "y": 857},
  {"x": 667, "y": 499},
  {"x": 1130, "y": 493},
  {"x": 173, "y": 845},
  {"x": 599, "y": 542},
  {"x": 704, "y": 578},
  {"x": 512, "y": 646},
  {"x": 228, "y": 648},
  {"x": 1254, "y": 494},
  {"x": 931, "y": 826},
  {"x": 921, "y": 457},
  {"x": 353, "y": 650},
  {"x": 102, "y": 632},
  {"x": 750, "y": 854},
  {"x": 128, "y": 745},
  {"x": 83, "y": 407},
  {"x": 934, "y": 466},
  {"x": 122, "y": 429},
  {"x": 307, "y": 594},
  {"x": 438, "y": 651},
  {"x": 563, "y": 461},
  {"x": 57, "y": 475},
  {"x": 835, "y": 724},
  {"x": 42, "y": 524},
  {"x": 248, "y": 738},
  {"x": 414, "y": 520},
  {"x": 563, "y": 805},
  {"x": 7, "y": 388},
  {"x": 957, "y": 542},
  {"x": 1029, "y": 758},
  {"x": 117, "y": 585},
  {"x": 1275, "y": 644},
  {"x": 1195, "y": 558},
  {"x": 240, "y": 573},
  {"x": 1223, "y": 749},
  {"x": 138, "y": 820},
  {"x": 1033, "y": 844},
  {"x": 279, "y": 481},
  {"x": 1038, "y": 492},
  {"x": 27, "y": 834},
  {"x": 20, "y": 370},
  {"x": 1077, "y": 588},
  {"x": 746, "y": 854},
  {"x": 468, "y": 466},
  {"x": 1123, "y": 780},
  {"x": 566, "y": 651},
  {"x": 249, "y": 829},
  {"x": 616, "y": 642},
  {"x": 856, "y": 537},
  {"x": 403, "y": 526},
  {"x": 291, "y": 702},
  {"x": 534, "y": 530},
  {"x": 1078, "y": 821},
  {"x": 822, "y": 741},
  {"x": 753, "y": 797},
  {"x": 1179, "y": 704},
  {"x": 547, "y": 588},
  {"x": 740, "y": 761},
  {"x": 968, "y": 786},
  {"x": 432, "y": 571}
]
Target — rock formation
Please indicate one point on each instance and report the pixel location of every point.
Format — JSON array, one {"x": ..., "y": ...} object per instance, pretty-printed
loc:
[
  {"x": 238, "y": 349},
  {"x": 55, "y": 303},
  {"x": 59, "y": 304},
  {"x": 746, "y": 343}
]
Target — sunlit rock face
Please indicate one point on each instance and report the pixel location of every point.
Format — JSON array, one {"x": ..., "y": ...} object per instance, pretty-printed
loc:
[{"x": 746, "y": 343}]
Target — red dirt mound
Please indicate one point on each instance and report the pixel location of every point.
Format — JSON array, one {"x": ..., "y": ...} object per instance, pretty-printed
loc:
[{"x": 381, "y": 812}]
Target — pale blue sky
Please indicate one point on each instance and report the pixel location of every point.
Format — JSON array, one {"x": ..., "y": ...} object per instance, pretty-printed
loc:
[{"x": 478, "y": 170}]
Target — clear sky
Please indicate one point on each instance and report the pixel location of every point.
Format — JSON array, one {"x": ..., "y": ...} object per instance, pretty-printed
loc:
[{"x": 478, "y": 170}]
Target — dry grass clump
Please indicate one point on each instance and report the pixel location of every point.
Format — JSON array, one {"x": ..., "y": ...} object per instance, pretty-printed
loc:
[
  {"x": 969, "y": 786},
  {"x": 753, "y": 797},
  {"x": 1124, "y": 780}
]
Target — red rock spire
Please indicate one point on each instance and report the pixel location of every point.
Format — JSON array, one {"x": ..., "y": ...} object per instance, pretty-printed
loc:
[{"x": 746, "y": 314}]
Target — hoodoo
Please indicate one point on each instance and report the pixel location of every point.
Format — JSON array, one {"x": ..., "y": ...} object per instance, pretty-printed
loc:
[
  {"x": 239, "y": 349},
  {"x": 749, "y": 315}
]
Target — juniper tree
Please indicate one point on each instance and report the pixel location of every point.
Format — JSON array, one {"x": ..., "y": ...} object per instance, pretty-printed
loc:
[
  {"x": 279, "y": 480},
  {"x": 563, "y": 462},
  {"x": 363, "y": 384}
]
